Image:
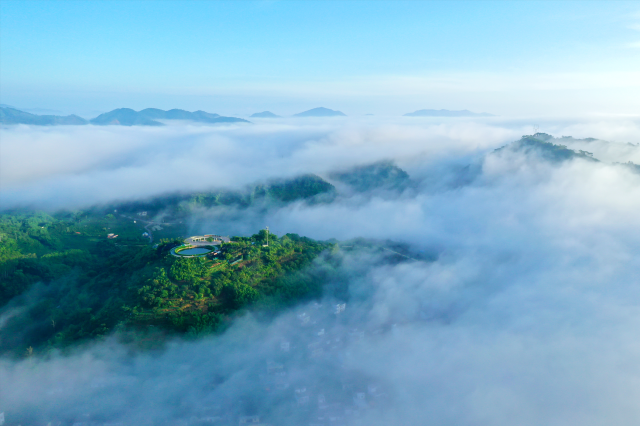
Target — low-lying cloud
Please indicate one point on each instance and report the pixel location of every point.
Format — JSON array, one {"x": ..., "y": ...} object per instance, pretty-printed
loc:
[
  {"x": 67, "y": 166},
  {"x": 528, "y": 315}
]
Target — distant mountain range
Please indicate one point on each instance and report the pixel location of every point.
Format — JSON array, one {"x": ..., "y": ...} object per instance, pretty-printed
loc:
[
  {"x": 15, "y": 116},
  {"x": 315, "y": 112},
  {"x": 40, "y": 111},
  {"x": 446, "y": 113},
  {"x": 264, "y": 114},
  {"x": 153, "y": 116},
  {"x": 121, "y": 116},
  {"x": 148, "y": 117},
  {"x": 320, "y": 112}
]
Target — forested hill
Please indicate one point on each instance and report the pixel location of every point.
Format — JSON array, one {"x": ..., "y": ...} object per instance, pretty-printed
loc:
[
  {"x": 308, "y": 187},
  {"x": 63, "y": 281},
  {"x": 548, "y": 148},
  {"x": 381, "y": 175}
]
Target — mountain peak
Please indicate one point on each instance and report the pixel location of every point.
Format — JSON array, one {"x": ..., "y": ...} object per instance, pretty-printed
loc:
[
  {"x": 320, "y": 112},
  {"x": 15, "y": 116},
  {"x": 264, "y": 114},
  {"x": 149, "y": 117}
]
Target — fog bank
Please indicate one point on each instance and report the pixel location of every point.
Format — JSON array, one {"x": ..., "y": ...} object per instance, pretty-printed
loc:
[{"x": 529, "y": 313}]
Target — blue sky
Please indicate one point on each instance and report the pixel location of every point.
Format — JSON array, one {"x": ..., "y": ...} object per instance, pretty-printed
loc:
[{"x": 359, "y": 56}]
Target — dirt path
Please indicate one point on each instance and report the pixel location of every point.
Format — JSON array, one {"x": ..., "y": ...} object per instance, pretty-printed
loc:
[
  {"x": 148, "y": 224},
  {"x": 149, "y": 232}
]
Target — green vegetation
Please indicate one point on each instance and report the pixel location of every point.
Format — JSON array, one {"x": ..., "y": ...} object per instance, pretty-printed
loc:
[
  {"x": 384, "y": 175},
  {"x": 302, "y": 187},
  {"x": 307, "y": 187},
  {"x": 542, "y": 144},
  {"x": 63, "y": 281}
]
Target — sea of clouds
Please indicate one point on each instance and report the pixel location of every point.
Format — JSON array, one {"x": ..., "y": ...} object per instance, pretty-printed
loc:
[
  {"x": 529, "y": 313},
  {"x": 76, "y": 166}
]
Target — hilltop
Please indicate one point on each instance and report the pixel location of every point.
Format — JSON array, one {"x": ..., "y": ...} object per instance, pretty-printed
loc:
[
  {"x": 69, "y": 282},
  {"x": 309, "y": 188},
  {"x": 548, "y": 148},
  {"x": 265, "y": 114},
  {"x": 320, "y": 112},
  {"x": 380, "y": 175}
]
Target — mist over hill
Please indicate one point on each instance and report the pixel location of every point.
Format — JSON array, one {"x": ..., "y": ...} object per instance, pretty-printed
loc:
[
  {"x": 149, "y": 117},
  {"x": 121, "y": 116},
  {"x": 432, "y": 272},
  {"x": 549, "y": 148},
  {"x": 265, "y": 114},
  {"x": 364, "y": 178},
  {"x": 251, "y": 257},
  {"x": 271, "y": 194},
  {"x": 13, "y": 116},
  {"x": 320, "y": 112},
  {"x": 446, "y": 113}
]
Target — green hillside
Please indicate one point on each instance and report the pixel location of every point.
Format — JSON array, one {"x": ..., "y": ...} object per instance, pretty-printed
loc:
[
  {"x": 547, "y": 147},
  {"x": 384, "y": 174},
  {"x": 306, "y": 187},
  {"x": 64, "y": 281}
]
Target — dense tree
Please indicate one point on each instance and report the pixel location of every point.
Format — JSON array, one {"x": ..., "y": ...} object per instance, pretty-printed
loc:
[{"x": 72, "y": 284}]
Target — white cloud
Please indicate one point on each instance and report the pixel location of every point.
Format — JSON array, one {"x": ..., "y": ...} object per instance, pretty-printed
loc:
[
  {"x": 529, "y": 315},
  {"x": 70, "y": 165}
]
